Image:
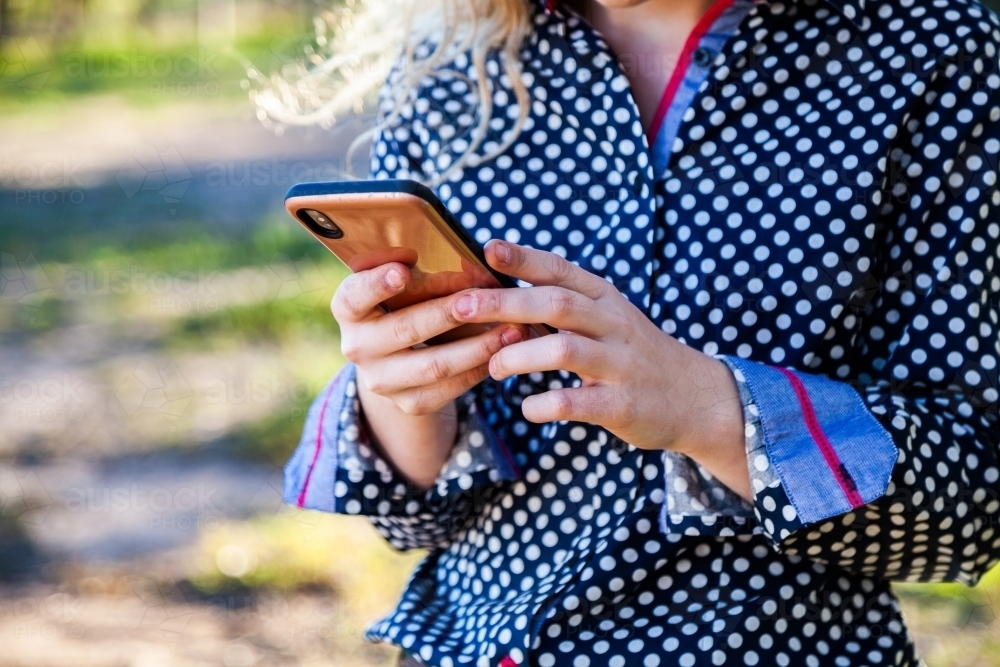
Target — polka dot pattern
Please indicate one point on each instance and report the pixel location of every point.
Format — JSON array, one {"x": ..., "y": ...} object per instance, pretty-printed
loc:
[{"x": 830, "y": 206}]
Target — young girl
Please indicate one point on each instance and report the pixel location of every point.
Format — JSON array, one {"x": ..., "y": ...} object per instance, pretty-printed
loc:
[{"x": 767, "y": 232}]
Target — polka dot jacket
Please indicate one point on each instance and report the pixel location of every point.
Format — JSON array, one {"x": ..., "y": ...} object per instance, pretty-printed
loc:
[{"x": 818, "y": 208}]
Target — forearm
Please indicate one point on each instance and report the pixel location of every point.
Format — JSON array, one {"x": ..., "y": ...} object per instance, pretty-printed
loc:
[{"x": 416, "y": 445}]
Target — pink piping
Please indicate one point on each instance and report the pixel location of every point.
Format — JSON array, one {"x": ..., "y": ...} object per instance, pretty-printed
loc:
[
  {"x": 699, "y": 30},
  {"x": 826, "y": 449},
  {"x": 319, "y": 443}
]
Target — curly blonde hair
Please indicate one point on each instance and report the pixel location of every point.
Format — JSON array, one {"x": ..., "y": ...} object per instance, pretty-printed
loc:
[{"x": 359, "y": 45}]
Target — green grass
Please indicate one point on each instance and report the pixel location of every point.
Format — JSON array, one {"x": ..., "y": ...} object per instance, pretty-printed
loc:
[
  {"x": 267, "y": 321},
  {"x": 141, "y": 70},
  {"x": 191, "y": 246}
]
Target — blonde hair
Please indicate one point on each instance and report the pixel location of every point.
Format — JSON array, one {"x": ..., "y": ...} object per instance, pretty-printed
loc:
[{"x": 358, "y": 48}]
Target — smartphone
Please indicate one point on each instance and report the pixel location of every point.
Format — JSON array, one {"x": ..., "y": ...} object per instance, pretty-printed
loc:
[{"x": 368, "y": 223}]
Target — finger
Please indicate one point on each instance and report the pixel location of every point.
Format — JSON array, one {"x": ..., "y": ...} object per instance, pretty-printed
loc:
[
  {"x": 539, "y": 267},
  {"x": 359, "y": 293},
  {"x": 431, "y": 398},
  {"x": 555, "y": 306},
  {"x": 416, "y": 368},
  {"x": 566, "y": 352},
  {"x": 600, "y": 404},
  {"x": 408, "y": 326}
]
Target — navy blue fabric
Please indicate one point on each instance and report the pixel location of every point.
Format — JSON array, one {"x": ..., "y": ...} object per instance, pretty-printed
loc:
[
  {"x": 830, "y": 207},
  {"x": 710, "y": 44}
]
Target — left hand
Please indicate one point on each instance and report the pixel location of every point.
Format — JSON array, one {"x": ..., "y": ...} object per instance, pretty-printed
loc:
[{"x": 641, "y": 384}]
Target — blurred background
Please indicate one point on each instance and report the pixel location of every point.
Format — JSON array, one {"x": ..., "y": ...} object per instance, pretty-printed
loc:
[{"x": 163, "y": 328}]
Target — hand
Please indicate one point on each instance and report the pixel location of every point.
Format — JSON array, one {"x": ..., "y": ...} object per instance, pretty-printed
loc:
[
  {"x": 407, "y": 394},
  {"x": 641, "y": 384},
  {"x": 418, "y": 381}
]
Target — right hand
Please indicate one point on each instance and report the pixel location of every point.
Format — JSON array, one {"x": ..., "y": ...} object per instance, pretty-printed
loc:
[{"x": 418, "y": 381}]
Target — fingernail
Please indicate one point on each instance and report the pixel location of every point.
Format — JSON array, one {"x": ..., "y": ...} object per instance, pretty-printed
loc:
[
  {"x": 503, "y": 253},
  {"x": 511, "y": 335},
  {"x": 464, "y": 305},
  {"x": 394, "y": 279}
]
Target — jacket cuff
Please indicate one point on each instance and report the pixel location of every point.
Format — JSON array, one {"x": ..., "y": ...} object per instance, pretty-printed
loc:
[
  {"x": 311, "y": 471},
  {"x": 824, "y": 453},
  {"x": 337, "y": 469}
]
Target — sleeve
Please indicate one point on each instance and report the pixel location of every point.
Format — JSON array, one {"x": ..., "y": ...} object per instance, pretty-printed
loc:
[
  {"x": 336, "y": 469},
  {"x": 895, "y": 474}
]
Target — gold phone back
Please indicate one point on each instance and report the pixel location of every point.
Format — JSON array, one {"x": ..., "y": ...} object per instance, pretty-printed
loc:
[{"x": 399, "y": 227}]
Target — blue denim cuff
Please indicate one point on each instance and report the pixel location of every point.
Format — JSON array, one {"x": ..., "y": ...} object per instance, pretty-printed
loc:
[
  {"x": 312, "y": 471},
  {"x": 336, "y": 469},
  {"x": 829, "y": 451}
]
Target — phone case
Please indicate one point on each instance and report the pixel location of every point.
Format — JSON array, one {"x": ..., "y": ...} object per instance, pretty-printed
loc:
[{"x": 401, "y": 221}]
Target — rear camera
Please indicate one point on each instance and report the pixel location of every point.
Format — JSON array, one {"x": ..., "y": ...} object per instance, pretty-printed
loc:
[{"x": 321, "y": 223}]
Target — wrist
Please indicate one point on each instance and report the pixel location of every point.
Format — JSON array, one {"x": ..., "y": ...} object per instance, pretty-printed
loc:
[
  {"x": 417, "y": 446},
  {"x": 715, "y": 436}
]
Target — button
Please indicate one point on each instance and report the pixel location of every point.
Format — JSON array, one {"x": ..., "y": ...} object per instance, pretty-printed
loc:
[{"x": 702, "y": 57}]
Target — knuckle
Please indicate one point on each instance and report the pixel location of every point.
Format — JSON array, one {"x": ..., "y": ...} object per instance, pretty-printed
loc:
[
  {"x": 562, "y": 405},
  {"x": 435, "y": 369},
  {"x": 489, "y": 346},
  {"x": 338, "y": 304},
  {"x": 562, "y": 302},
  {"x": 404, "y": 331},
  {"x": 474, "y": 376},
  {"x": 376, "y": 384},
  {"x": 350, "y": 348},
  {"x": 352, "y": 308},
  {"x": 563, "y": 350},
  {"x": 561, "y": 268},
  {"x": 477, "y": 375},
  {"x": 413, "y": 403}
]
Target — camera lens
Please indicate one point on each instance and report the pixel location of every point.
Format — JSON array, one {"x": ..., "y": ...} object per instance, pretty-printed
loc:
[
  {"x": 324, "y": 222},
  {"x": 321, "y": 223}
]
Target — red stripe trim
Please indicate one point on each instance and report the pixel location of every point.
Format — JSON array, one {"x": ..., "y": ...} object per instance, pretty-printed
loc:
[
  {"x": 840, "y": 473},
  {"x": 699, "y": 30},
  {"x": 301, "y": 502}
]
